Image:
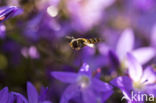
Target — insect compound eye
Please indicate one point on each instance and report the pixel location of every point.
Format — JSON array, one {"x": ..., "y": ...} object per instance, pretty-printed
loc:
[{"x": 75, "y": 45}]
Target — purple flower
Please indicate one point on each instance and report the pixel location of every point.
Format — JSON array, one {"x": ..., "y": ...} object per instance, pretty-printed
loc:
[
  {"x": 4, "y": 95},
  {"x": 83, "y": 82},
  {"x": 42, "y": 26},
  {"x": 9, "y": 12},
  {"x": 125, "y": 44},
  {"x": 86, "y": 14},
  {"x": 33, "y": 96},
  {"x": 139, "y": 81}
]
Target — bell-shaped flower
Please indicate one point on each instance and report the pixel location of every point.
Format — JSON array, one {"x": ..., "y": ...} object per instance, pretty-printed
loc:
[
  {"x": 140, "y": 81},
  {"x": 32, "y": 94},
  {"x": 125, "y": 44},
  {"x": 83, "y": 83}
]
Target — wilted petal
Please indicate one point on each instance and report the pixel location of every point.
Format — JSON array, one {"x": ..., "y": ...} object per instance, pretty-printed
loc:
[
  {"x": 143, "y": 55},
  {"x": 4, "y": 95},
  {"x": 32, "y": 93},
  {"x": 66, "y": 77},
  {"x": 134, "y": 68},
  {"x": 89, "y": 96},
  {"x": 69, "y": 93},
  {"x": 100, "y": 86},
  {"x": 125, "y": 43},
  {"x": 149, "y": 76}
]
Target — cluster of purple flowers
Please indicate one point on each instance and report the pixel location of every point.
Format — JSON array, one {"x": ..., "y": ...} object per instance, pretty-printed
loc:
[
  {"x": 125, "y": 57},
  {"x": 32, "y": 94}
]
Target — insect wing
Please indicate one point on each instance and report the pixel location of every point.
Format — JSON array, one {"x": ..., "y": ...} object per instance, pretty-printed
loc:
[{"x": 89, "y": 44}]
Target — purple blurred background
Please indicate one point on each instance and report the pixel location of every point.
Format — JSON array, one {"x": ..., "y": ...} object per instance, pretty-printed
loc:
[{"x": 33, "y": 42}]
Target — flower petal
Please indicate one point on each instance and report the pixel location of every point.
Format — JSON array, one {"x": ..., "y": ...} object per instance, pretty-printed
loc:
[
  {"x": 4, "y": 95},
  {"x": 89, "y": 96},
  {"x": 67, "y": 77},
  {"x": 134, "y": 68},
  {"x": 19, "y": 100},
  {"x": 113, "y": 58},
  {"x": 143, "y": 55},
  {"x": 100, "y": 86},
  {"x": 11, "y": 98},
  {"x": 106, "y": 95},
  {"x": 9, "y": 12},
  {"x": 69, "y": 93},
  {"x": 125, "y": 43},
  {"x": 151, "y": 89},
  {"x": 149, "y": 76},
  {"x": 103, "y": 48},
  {"x": 122, "y": 82},
  {"x": 153, "y": 36},
  {"x": 32, "y": 93},
  {"x": 43, "y": 94},
  {"x": 18, "y": 95},
  {"x": 85, "y": 70},
  {"x": 125, "y": 85}
]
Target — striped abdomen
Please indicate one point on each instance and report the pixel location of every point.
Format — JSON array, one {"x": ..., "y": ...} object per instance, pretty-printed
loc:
[{"x": 93, "y": 40}]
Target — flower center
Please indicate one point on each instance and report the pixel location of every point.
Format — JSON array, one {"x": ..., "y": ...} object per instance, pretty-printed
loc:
[
  {"x": 83, "y": 81},
  {"x": 139, "y": 85}
]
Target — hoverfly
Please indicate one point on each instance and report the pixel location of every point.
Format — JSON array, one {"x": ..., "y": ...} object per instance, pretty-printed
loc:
[{"x": 78, "y": 43}]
